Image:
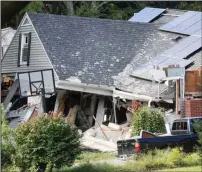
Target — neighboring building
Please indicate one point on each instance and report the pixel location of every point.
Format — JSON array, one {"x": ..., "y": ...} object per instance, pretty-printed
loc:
[{"x": 6, "y": 38}]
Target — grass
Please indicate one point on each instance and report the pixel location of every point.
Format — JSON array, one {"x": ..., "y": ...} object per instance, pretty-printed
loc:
[
  {"x": 152, "y": 161},
  {"x": 184, "y": 169},
  {"x": 86, "y": 157},
  {"x": 111, "y": 168},
  {"x": 157, "y": 160}
]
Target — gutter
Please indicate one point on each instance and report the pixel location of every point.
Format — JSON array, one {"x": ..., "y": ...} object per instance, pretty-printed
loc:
[
  {"x": 101, "y": 90},
  {"x": 88, "y": 88}
]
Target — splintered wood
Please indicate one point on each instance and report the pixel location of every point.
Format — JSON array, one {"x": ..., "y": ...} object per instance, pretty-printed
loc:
[
  {"x": 71, "y": 117},
  {"x": 61, "y": 107}
]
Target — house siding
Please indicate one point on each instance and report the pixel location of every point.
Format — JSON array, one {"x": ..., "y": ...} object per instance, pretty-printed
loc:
[{"x": 38, "y": 56}]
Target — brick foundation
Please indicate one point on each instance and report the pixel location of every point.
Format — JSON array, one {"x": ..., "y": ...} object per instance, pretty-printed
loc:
[{"x": 193, "y": 108}]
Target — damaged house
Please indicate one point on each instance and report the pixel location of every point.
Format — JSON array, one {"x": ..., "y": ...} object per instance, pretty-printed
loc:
[{"x": 101, "y": 65}]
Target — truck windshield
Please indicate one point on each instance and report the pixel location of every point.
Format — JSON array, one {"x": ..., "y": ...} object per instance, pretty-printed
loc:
[{"x": 180, "y": 125}]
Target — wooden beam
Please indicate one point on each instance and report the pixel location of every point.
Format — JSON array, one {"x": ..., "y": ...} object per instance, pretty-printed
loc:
[
  {"x": 100, "y": 111},
  {"x": 60, "y": 94},
  {"x": 11, "y": 93},
  {"x": 92, "y": 107}
]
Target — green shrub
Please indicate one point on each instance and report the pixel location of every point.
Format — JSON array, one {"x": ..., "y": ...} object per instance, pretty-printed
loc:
[
  {"x": 175, "y": 157},
  {"x": 7, "y": 148},
  {"x": 148, "y": 119},
  {"x": 45, "y": 142},
  {"x": 198, "y": 128},
  {"x": 192, "y": 159}
]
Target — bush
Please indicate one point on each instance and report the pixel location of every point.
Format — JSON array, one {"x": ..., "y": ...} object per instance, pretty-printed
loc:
[
  {"x": 148, "y": 119},
  {"x": 45, "y": 142},
  {"x": 7, "y": 148},
  {"x": 198, "y": 128}
]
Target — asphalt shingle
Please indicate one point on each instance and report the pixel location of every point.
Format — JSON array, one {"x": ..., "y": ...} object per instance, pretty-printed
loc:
[{"x": 94, "y": 50}]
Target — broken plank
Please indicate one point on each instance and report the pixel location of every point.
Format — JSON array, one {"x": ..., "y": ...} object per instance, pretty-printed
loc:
[
  {"x": 11, "y": 93},
  {"x": 100, "y": 112},
  {"x": 60, "y": 94}
]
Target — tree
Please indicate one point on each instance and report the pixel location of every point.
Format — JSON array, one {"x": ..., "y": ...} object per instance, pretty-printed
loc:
[
  {"x": 148, "y": 119},
  {"x": 45, "y": 142}
]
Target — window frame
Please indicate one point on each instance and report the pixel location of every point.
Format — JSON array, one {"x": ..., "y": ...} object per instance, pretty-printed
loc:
[{"x": 22, "y": 46}]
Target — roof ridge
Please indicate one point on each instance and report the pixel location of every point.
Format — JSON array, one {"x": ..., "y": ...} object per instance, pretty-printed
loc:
[{"x": 93, "y": 18}]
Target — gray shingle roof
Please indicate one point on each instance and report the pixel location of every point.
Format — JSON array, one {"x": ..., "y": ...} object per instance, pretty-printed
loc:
[{"x": 94, "y": 50}]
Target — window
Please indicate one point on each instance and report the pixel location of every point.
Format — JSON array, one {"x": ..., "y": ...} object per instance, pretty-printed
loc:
[
  {"x": 24, "y": 48},
  {"x": 180, "y": 125}
]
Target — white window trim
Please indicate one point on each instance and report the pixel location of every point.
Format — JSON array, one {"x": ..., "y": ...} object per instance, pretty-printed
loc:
[{"x": 21, "y": 50}]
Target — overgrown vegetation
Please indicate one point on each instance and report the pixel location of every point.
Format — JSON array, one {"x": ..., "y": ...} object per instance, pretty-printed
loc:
[
  {"x": 87, "y": 157},
  {"x": 7, "y": 148},
  {"x": 41, "y": 144},
  {"x": 152, "y": 161},
  {"x": 148, "y": 119},
  {"x": 198, "y": 128},
  {"x": 45, "y": 142}
]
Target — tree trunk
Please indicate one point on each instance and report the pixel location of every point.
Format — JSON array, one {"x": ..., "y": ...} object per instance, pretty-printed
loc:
[{"x": 70, "y": 7}]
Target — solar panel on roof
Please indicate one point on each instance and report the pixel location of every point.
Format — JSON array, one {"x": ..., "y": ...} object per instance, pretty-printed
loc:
[
  {"x": 188, "y": 23},
  {"x": 184, "y": 63},
  {"x": 189, "y": 49},
  {"x": 194, "y": 28},
  {"x": 198, "y": 33},
  {"x": 192, "y": 22},
  {"x": 173, "y": 61},
  {"x": 146, "y": 15},
  {"x": 188, "y": 45}
]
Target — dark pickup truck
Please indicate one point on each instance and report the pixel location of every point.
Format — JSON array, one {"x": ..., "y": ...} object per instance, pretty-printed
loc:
[{"x": 182, "y": 135}]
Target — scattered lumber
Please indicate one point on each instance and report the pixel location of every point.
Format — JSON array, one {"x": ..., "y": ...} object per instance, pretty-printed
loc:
[
  {"x": 114, "y": 126},
  {"x": 98, "y": 144},
  {"x": 61, "y": 107},
  {"x": 11, "y": 93}
]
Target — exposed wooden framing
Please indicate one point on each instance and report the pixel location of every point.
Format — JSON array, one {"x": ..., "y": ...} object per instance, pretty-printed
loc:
[
  {"x": 92, "y": 107},
  {"x": 60, "y": 94},
  {"x": 177, "y": 95},
  {"x": 100, "y": 111},
  {"x": 11, "y": 93},
  {"x": 114, "y": 110}
]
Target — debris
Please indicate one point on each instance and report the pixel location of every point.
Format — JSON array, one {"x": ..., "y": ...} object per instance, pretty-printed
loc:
[
  {"x": 128, "y": 134},
  {"x": 34, "y": 100},
  {"x": 115, "y": 127},
  {"x": 11, "y": 93},
  {"x": 71, "y": 117},
  {"x": 100, "y": 111},
  {"x": 129, "y": 117},
  {"x": 105, "y": 128},
  {"x": 100, "y": 128},
  {"x": 76, "y": 117},
  {"x": 61, "y": 107},
  {"x": 98, "y": 144},
  {"x": 23, "y": 115}
]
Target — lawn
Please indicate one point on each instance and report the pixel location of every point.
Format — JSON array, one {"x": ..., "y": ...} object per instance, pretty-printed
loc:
[
  {"x": 159, "y": 160},
  {"x": 86, "y": 157},
  {"x": 184, "y": 169}
]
